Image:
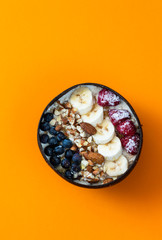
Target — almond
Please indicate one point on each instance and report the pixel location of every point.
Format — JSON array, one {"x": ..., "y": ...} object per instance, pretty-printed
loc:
[
  {"x": 93, "y": 180},
  {"x": 107, "y": 180},
  {"x": 94, "y": 157},
  {"x": 58, "y": 127},
  {"x": 88, "y": 128}
]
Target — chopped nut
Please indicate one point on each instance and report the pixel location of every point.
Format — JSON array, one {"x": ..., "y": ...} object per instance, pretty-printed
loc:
[
  {"x": 82, "y": 141},
  {"x": 85, "y": 143},
  {"x": 71, "y": 120},
  {"x": 84, "y": 162},
  {"x": 89, "y": 169},
  {"x": 58, "y": 118},
  {"x": 58, "y": 102},
  {"x": 83, "y": 134},
  {"x": 74, "y": 148},
  {"x": 52, "y": 122},
  {"x": 72, "y": 132},
  {"x": 96, "y": 171},
  {"x": 77, "y": 116},
  {"x": 66, "y": 134},
  {"x": 101, "y": 173},
  {"x": 73, "y": 127},
  {"x": 67, "y": 105},
  {"x": 64, "y": 120},
  {"x": 107, "y": 180},
  {"x": 79, "y": 120},
  {"x": 79, "y": 129},
  {"x": 94, "y": 180},
  {"x": 57, "y": 113},
  {"x": 89, "y": 148},
  {"x": 90, "y": 163},
  {"x": 74, "y": 110},
  {"x": 58, "y": 127},
  {"x": 89, "y": 139},
  {"x": 78, "y": 143}
]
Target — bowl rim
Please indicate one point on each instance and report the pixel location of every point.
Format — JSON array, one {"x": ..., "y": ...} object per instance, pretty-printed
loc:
[{"x": 91, "y": 186}]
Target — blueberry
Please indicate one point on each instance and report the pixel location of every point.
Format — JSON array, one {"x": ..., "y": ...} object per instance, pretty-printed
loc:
[
  {"x": 69, "y": 174},
  {"x": 69, "y": 154},
  {"x": 60, "y": 136},
  {"x": 75, "y": 167},
  {"x": 48, "y": 151},
  {"x": 48, "y": 117},
  {"x": 53, "y": 131},
  {"x": 67, "y": 143},
  {"x": 59, "y": 150},
  {"x": 55, "y": 161},
  {"x": 44, "y": 138},
  {"x": 76, "y": 158},
  {"x": 65, "y": 163},
  {"x": 44, "y": 126},
  {"x": 53, "y": 141}
]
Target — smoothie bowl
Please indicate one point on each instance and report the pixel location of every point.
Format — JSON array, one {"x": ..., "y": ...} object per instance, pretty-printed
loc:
[{"x": 90, "y": 135}]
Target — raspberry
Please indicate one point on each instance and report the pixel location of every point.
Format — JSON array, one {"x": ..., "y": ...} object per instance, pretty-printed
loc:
[
  {"x": 107, "y": 98},
  {"x": 131, "y": 143},
  {"x": 118, "y": 115},
  {"x": 126, "y": 128}
]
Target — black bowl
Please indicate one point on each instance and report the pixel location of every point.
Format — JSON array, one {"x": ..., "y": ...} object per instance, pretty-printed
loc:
[{"x": 120, "y": 178}]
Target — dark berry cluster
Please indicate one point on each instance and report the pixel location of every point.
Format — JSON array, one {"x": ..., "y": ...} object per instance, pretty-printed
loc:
[{"x": 58, "y": 148}]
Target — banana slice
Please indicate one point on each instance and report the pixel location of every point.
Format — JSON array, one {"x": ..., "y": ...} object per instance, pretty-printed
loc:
[
  {"x": 82, "y": 100},
  {"x": 116, "y": 168},
  {"x": 112, "y": 150},
  {"x": 95, "y": 116},
  {"x": 105, "y": 132}
]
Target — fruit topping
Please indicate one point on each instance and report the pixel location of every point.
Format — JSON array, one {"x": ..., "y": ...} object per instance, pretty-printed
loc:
[
  {"x": 59, "y": 150},
  {"x": 69, "y": 174},
  {"x": 75, "y": 167},
  {"x": 53, "y": 141},
  {"x": 126, "y": 128},
  {"x": 44, "y": 126},
  {"x": 131, "y": 143},
  {"x": 53, "y": 131},
  {"x": 118, "y": 115},
  {"x": 65, "y": 163},
  {"x": 67, "y": 143},
  {"x": 48, "y": 117},
  {"x": 69, "y": 154},
  {"x": 44, "y": 138},
  {"x": 55, "y": 161},
  {"x": 76, "y": 158},
  {"x": 107, "y": 98},
  {"x": 60, "y": 136},
  {"x": 48, "y": 151}
]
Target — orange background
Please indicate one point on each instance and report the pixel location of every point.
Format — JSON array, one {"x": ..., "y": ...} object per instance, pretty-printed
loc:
[{"x": 46, "y": 47}]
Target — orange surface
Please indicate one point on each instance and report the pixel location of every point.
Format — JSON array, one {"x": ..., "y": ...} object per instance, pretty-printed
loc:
[{"x": 46, "y": 47}]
